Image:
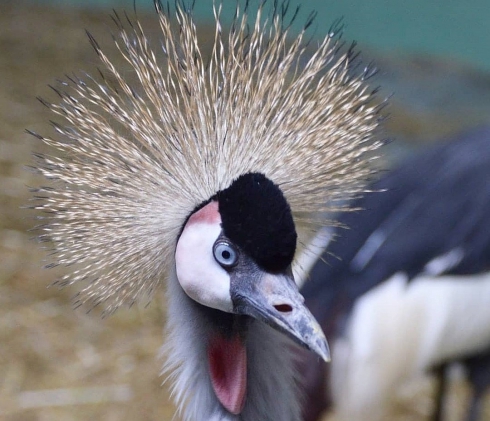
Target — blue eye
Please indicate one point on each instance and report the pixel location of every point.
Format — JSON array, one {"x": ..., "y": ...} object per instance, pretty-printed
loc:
[{"x": 225, "y": 254}]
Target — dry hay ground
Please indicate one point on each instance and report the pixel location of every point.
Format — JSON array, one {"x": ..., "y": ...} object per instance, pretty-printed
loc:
[{"x": 56, "y": 363}]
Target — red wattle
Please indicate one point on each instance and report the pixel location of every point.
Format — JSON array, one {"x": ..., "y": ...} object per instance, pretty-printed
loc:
[{"x": 228, "y": 369}]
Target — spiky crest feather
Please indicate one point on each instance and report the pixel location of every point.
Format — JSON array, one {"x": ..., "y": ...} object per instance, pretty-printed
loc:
[{"x": 135, "y": 161}]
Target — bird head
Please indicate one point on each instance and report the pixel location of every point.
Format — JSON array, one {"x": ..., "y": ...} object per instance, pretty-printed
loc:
[
  {"x": 234, "y": 255},
  {"x": 203, "y": 166}
]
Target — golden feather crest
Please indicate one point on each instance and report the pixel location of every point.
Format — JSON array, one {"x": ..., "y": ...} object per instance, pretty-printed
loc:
[{"x": 134, "y": 161}]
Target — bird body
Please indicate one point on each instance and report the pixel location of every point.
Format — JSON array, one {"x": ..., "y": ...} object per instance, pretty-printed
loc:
[
  {"x": 400, "y": 331},
  {"x": 410, "y": 290},
  {"x": 197, "y": 174}
]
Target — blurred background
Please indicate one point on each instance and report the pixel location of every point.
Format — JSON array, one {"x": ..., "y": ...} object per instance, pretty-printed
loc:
[{"x": 60, "y": 364}]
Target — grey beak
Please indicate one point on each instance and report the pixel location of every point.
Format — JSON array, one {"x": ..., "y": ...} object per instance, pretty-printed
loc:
[{"x": 275, "y": 299}]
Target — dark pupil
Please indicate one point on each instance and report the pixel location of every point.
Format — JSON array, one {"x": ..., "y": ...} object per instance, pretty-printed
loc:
[{"x": 225, "y": 254}]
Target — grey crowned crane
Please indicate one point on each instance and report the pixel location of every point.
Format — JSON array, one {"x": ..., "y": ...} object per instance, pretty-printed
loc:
[
  {"x": 409, "y": 289},
  {"x": 195, "y": 176}
]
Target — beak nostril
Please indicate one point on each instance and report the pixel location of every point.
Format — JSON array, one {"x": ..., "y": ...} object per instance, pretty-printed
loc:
[{"x": 283, "y": 308}]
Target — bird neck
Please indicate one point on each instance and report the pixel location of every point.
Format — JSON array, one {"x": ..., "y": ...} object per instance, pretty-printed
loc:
[{"x": 271, "y": 391}]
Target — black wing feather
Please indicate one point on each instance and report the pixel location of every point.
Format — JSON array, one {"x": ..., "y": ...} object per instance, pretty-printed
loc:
[{"x": 435, "y": 202}]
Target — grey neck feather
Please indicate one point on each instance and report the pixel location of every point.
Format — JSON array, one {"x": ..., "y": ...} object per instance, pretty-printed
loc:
[{"x": 271, "y": 392}]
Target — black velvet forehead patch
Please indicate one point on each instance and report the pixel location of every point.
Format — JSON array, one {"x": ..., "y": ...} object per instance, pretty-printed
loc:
[{"x": 257, "y": 218}]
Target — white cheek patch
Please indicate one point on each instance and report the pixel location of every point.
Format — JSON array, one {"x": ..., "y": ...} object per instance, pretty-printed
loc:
[{"x": 198, "y": 273}]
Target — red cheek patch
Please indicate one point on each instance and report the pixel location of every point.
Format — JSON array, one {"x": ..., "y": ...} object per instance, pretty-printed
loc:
[
  {"x": 208, "y": 214},
  {"x": 228, "y": 369}
]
